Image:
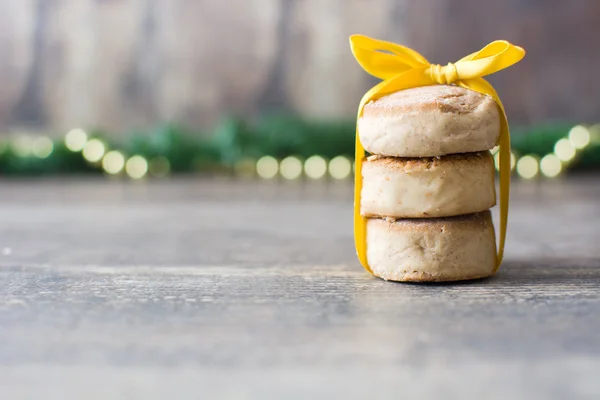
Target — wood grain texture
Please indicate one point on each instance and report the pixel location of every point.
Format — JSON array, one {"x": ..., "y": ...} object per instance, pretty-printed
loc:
[
  {"x": 123, "y": 64},
  {"x": 217, "y": 289}
]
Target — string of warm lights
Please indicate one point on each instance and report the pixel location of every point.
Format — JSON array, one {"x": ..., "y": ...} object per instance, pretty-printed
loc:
[
  {"x": 112, "y": 162},
  {"x": 314, "y": 167},
  {"x": 98, "y": 155},
  {"x": 528, "y": 166},
  {"x": 551, "y": 165},
  {"x": 115, "y": 162}
]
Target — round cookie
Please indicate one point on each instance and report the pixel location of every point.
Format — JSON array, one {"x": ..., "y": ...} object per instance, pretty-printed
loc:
[
  {"x": 430, "y": 121},
  {"x": 428, "y": 187},
  {"x": 432, "y": 250}
]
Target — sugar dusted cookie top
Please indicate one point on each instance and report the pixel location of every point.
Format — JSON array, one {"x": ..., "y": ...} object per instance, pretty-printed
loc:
[{"x": 430, "y": 121}]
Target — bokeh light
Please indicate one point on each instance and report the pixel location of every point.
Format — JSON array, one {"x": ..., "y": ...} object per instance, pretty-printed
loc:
[
  {"x": 340, "y": 167},
  {"x": 579, "y": 136},
  {"x": 136, "y": 167},
  {"x": 76, "y": 139},
  {"x": 22, "y": 146},
  {"x": 594, "y": 133},
  {"x": 159, "y": 167},
  {"x": 513, "y": 160},
  {"x": 42, "y": 147},
  {"x": 113, "y": 162},
  {"x": 93, "y": 150},
  {"x": 291, "y": 168},
  {"x": 564, "y": 150},
  {"x": 550, "y": 165},
  {"x": 267, "y": 167},
  {"x": 527, "y": 167},
  {"x": 315, "y": 167}
]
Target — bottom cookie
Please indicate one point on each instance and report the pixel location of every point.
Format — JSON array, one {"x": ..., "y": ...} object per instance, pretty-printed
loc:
[{"x": 432, "y": 250}]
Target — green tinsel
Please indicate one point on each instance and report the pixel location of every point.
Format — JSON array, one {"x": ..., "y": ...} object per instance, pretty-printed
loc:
[{"x": 234, "y": 140}]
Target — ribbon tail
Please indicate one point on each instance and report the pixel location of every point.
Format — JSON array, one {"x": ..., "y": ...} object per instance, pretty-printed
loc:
[
  {"x": 504, "y": 143},
  {"x": 360, "y": 222},
  {"x": 482, "y": 86}
]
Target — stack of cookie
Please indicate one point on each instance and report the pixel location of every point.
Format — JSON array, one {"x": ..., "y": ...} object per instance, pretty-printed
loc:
[{"x": 428, "y": 184}]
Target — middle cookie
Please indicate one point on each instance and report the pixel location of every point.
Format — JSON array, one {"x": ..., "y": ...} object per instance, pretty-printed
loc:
[{"x": 430, "y": 187}]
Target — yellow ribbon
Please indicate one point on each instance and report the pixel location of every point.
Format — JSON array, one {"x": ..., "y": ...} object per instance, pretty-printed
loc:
[{"x": 402, "y": 68}]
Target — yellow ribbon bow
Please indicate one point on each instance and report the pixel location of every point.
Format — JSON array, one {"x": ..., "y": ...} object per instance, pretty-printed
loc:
[{"x": 402, "y": 68}]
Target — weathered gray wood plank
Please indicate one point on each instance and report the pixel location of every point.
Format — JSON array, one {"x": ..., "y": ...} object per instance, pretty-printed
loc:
[{"x": 206, "y": 289}]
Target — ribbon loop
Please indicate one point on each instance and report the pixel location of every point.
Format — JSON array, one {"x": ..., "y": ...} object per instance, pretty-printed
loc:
[
  {"x": 402, "y": 68},
  {"x": 384, "y": 60}
]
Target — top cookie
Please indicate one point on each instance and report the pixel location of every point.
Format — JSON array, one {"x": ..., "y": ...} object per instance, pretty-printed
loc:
[{"x": 430, "y": 121}]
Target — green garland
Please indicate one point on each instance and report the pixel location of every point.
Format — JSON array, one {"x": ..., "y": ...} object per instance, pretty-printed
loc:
[{"x": 237, "y": 142}]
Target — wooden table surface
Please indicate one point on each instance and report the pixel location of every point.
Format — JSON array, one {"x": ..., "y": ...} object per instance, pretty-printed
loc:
[{"x": 194, "y": 289}]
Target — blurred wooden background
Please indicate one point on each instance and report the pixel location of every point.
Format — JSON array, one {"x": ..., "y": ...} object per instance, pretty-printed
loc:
[{"x": 120, "y": 64}]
